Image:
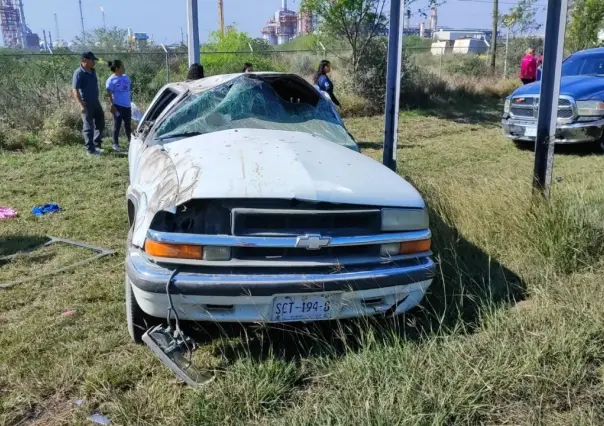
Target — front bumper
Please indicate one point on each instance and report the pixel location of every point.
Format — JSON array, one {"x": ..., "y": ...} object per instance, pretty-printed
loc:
[
  {"x": 231, "y": 296},
  {"x": 580, "y": 132}
]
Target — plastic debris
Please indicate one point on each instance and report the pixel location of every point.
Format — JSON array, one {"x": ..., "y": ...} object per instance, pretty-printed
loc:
[
  {"x": 137, "y": 114},
  {"x": 7, "y": 212},
  {"x": 68, "y": 313},
  {"x": 79, "y": 402},
  {"x": 45, "y": 209},
  {"x": 97, "y": 418}
]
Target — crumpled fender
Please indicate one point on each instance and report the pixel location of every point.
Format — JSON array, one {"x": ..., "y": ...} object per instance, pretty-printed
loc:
[{"x": 160, "y": 184}]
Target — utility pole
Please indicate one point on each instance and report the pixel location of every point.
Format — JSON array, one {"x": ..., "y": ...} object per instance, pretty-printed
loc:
[
  {"x": 393, "y": 82},
  {"x": 555, "y": 28},
  {"x": 193, "y": 29},
  {"x": 494, "y": 36},
  {"x": 82, "y": 19},
  {"x": 57, "y": 34},
  {"x": 221, "y": 15}
]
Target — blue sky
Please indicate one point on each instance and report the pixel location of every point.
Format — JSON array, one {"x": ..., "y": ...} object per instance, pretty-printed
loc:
[{"x": 163, "y": 19}]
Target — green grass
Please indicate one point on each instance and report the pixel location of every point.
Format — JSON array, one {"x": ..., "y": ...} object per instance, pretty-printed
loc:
[{"x": 512, "y": 331}]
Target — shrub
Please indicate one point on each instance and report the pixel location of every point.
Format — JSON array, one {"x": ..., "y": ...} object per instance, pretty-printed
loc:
[
  {"x": 467, "y": 65},
  {"x": 63, "y": 127},
  {"x": 302, "y": 64}
]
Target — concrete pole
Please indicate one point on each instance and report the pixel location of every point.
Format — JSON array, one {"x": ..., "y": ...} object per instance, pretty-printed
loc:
[
  {"x": 393, "y": 82},
  {"x": 555, "y": 28},
  {"x": 82, "y": 19},
  {"x": 505, "y": 63},
  {"x": 193, "y": 29}
]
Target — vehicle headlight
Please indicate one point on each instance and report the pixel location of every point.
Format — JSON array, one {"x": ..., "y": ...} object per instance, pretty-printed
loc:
[
  {"x": 506, "y": 106},
  {"x": 590, "y": 108},
  {"x": 404, "y": 219}
]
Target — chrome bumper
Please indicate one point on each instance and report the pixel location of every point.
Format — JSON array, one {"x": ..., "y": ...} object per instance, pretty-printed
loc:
[
  {"x": 247, "y": 296},
  {"x": 581, "y": 132}
]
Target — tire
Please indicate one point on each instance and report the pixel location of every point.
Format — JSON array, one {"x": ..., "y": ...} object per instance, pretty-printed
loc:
[
  {"x": 600, "y": 145},
  {"x": 138, "y": 321}
]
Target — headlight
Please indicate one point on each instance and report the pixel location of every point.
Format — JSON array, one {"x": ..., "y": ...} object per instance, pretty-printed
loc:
[
  {"x": 404, "y": 219},
  {"x": 506, "y": 106},
  {"x": 590, "y": 108}
]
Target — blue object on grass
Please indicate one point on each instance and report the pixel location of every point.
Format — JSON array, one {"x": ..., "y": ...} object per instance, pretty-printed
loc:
[{"x": 45, "y": 209}]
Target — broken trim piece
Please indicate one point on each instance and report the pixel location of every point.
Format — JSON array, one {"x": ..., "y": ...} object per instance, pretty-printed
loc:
[
  {"x": 171, "y": 348},
  {"x": 100, "y": 252}
]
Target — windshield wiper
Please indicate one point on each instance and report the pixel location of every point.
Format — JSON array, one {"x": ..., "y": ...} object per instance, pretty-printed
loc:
[{"x": 180, "y": 135}]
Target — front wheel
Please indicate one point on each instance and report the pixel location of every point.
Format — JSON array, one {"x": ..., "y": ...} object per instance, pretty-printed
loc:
[{"x": 138, "y": 321}]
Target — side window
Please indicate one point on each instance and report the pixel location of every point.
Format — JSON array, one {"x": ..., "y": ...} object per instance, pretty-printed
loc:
[{"x": 159, "y": 105}]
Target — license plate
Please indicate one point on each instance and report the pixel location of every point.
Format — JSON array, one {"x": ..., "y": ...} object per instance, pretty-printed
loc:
[
  {"x": 531, "y": 132},
  {"x": 300, "y": 307}
]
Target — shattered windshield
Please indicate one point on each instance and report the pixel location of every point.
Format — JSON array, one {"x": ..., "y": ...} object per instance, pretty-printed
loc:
[{"x": 281, "y": 103}]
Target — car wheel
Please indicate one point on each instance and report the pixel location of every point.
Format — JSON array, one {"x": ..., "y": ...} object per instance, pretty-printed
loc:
[
  {"x": 600, "y": 145},
  {"x": 138, "y": 321}
]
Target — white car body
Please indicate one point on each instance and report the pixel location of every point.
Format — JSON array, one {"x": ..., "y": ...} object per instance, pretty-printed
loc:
[{"x": 254, "y": 170}]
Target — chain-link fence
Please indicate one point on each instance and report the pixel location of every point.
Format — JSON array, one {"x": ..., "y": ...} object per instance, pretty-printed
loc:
[{"x": 33, "y": 86}]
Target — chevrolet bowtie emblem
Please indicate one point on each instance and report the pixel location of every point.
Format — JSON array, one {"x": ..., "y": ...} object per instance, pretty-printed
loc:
[{"x": 312, "y": 242}]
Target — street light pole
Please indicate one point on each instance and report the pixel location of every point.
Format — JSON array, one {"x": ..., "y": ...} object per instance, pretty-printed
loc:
[
  {"x": 393, "y": 83},
  {"x": 193, "y": 30},
  {"x": 555, "y": 28}
]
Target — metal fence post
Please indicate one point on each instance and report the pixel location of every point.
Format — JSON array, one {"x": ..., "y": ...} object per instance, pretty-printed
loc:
[
  {"x": 167, "y": 62},
  {"x": 393, "y": 83},
  {"x": 440, "y": 62},
  {"x": 555, "y": 28}
]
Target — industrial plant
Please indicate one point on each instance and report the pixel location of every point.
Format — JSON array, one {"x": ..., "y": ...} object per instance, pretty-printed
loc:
[
  {"x": 15, "y": 33},
  {"x": 287, "y": 24}
]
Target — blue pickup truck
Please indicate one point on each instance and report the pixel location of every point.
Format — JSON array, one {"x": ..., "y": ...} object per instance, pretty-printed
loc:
[{"x": 580, "y": 106}]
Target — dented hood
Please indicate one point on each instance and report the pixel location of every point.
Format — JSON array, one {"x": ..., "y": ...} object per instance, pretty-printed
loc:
[{"x": 254, "y": 163}]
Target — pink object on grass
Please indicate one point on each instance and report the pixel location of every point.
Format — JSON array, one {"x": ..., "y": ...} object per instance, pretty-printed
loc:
[{"x": 7, "y": 212}]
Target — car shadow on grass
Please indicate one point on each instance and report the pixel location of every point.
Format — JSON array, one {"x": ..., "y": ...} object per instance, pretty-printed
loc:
[
  {"x": 579, "y": 150},
  {"x": 486, "y": 111},
  {"x": 467, "y": 280}
]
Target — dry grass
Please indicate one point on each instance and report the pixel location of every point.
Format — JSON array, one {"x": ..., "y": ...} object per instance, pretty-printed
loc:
[{"x": 467, "y": 356}]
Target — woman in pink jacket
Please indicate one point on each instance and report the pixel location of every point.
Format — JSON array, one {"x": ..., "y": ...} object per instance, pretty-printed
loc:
[{"x": 528, "y": 67}]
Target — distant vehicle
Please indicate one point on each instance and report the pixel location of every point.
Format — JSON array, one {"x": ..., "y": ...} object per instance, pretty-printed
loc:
[
  {"x": 249, "y": 202},
  {"x": 580, "y": 106}
]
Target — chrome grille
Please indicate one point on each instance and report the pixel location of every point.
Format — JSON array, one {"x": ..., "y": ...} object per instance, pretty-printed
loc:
[
  {"x": 527, "y": 107},
  {"x": 294, "y": 222}
]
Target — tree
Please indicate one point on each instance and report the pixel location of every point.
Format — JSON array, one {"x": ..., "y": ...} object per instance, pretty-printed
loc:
[
  {"x": 357, "y": 21},
  {"x": 215, "y": 61},
  {"x": 106, "y": 40},
  {"x": 521, "y": 19},
  {"x": 586, "y": 21}
]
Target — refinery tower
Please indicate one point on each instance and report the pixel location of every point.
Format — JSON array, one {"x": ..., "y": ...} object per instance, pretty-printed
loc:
[{"x": 15, "y": 33}]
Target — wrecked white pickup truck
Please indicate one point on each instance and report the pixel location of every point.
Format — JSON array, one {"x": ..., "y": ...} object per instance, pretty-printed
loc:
[{"x": 249, "y": 202}]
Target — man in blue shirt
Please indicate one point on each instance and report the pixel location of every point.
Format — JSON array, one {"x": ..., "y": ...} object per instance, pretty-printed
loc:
[{"x": 86, "y": 92}]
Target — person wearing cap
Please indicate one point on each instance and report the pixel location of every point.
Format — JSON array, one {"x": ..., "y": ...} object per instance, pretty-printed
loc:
[{"x": 86, "y": 92}]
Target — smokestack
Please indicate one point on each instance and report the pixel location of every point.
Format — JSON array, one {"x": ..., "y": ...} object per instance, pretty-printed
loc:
[{"x": 284, "y": 4}]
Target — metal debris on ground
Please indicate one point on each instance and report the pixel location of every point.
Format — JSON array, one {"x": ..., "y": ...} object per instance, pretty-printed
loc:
[
  {"x": 97, "y": 418},
  {"x": 100, "y": 252},
  {"x": 7, "y": 212}
]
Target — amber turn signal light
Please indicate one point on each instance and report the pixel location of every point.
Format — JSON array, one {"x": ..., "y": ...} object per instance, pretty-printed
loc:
[
  {"x": 174, "y": 251},
  {"x": 410, "y": 247}
]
